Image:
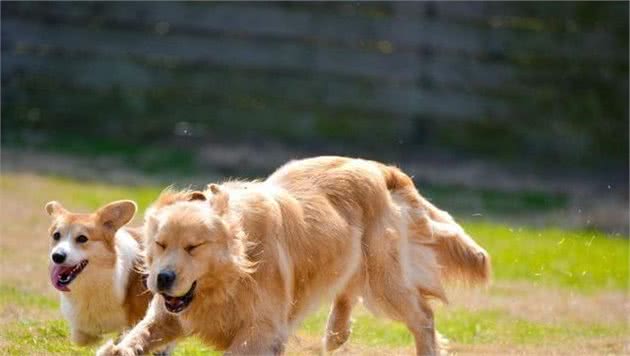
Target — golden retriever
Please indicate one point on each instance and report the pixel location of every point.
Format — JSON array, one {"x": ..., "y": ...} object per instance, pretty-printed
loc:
[{"x": 242, "y": 263}]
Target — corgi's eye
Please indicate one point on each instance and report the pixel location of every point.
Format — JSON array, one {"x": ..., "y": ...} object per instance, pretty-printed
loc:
[
  {"x": 162, "y": 246},
  {"x": 81, "y": 239},
  {"x": 56, "y": 236}
]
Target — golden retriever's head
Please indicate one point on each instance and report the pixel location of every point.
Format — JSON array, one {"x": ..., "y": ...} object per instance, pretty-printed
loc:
[{"x": 191, "y": 247}]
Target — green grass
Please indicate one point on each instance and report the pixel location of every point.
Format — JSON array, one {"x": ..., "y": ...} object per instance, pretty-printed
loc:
[
  {"x": 94, "y": 195},
  {"x": 466, "y": 327},
  {"x": 585, "y": 260},
  {"x": 32, "y": 337},
  {"x": 15, "y": 296},
  {"x": 466, "y": 199},
  {"x": 582, "y": 262},
  {"x": 483, "y": 327},
  {"x": 89, "y": 195},
  {"x": 29, "y": 337},
  {"x": 150, "y": 158}
]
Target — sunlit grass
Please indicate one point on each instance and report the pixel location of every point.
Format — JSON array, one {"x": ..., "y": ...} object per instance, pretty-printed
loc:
[
  {"x": 32, "y": 337},
  {"x": 580, "y": 261},
  {"x": 14, "y": 296},
  {"x": 27, "y": 336},
  {"x": 585, "y": 260},
  {"x": 466, "y": 327}
]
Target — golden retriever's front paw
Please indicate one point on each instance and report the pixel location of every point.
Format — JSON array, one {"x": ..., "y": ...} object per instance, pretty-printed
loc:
[{"x": 110, "y": 349}]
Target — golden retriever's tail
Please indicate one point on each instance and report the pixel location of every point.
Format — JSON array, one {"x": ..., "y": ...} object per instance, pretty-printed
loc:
[{"x": 459, "y": 256}]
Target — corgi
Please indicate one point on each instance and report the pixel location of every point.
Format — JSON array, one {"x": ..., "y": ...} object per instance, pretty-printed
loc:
[{"x": 95, "y": 264}]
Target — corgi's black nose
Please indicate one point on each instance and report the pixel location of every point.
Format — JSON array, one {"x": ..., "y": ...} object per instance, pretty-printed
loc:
[
  {"x": 165, "y": 280},
  {"x": 58, "y": 257}
]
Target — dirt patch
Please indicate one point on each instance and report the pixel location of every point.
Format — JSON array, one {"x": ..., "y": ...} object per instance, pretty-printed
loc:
[
  {"x": 24, "y": 236},
  {"x": 601, "y": 346},
  {"x": 12, "y": 313},
  {"x": 307, "y": 345},
  {"x": 545, "y": 304}
]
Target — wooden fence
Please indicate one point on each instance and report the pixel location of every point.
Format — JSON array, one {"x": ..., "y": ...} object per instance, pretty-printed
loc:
[{"x": 543, "y": 78}]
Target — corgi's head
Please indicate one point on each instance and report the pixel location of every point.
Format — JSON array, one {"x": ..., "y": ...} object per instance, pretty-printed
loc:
[{"x": 80, "y": 243}]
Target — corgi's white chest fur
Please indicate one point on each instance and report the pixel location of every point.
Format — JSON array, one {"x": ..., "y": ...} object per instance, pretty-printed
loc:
[
  {"x": 94, "y": 312},
  {"x": 95, "y": 303}
]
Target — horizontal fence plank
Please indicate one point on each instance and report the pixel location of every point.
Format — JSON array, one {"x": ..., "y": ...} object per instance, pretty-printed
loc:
[
  {"x": 305, "y": 91},
  {"x": 439, "y": 71},
  {"x": 150, "y": 114},
  {"x": 390, "y": 34},
  {"x": 546, "y": 16},
  {"x": 435, "y": 71},
  {"x": 211, "y": 50}
]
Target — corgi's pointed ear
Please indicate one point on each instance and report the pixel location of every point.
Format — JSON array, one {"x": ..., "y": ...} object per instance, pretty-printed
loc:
[
  {"x": 54, "y": 208},
  {"x": 116, "y": 214},
  {"x": 220, "y": 199}
]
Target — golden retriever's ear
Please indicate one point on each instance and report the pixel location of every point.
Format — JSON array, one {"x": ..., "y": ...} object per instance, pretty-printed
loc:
[
  {"x": 150, "y": 226},
  {"x": 54, "y": 208},
  {"x": 196, "y": 195},
  {"x": 214, "y": 188},
  {"x": 220, "y": 199},
  {"x": 115, "y": 215}
]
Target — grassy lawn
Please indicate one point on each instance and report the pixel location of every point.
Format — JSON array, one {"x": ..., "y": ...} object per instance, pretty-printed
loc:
[{"x": 586, "y": 265}]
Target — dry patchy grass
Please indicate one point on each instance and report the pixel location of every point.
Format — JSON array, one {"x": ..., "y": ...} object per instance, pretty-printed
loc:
[{"x": 557, "y": 292}]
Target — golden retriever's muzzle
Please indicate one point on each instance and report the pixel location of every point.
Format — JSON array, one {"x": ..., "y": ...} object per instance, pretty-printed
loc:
[
  {"x": 177, "y": 304},
  {"x": 174, "y": 304}
]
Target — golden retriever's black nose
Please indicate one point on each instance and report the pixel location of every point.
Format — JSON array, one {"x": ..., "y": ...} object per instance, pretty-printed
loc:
[
  {"x": 58, "y": 257},
  {"x": 165, "y": 280}
]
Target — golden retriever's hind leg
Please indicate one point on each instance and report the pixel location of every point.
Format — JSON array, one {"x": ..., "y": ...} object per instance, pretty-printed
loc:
[
  {"x": 430, "y": 334},
  {"x": 403, "y": 306},
  {"x": 389, "y": 294},
  {"x": 338, "y": 329},
  {"x": 419, "y": 320}
]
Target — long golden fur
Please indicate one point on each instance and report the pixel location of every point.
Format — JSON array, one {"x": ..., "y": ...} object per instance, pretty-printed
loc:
[{"x": 259, "y": 256}]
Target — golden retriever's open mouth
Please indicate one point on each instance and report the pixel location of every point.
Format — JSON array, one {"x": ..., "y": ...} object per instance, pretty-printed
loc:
[
  {"x": 177, "y": 304},
  {"x": 62, "y": 275}
]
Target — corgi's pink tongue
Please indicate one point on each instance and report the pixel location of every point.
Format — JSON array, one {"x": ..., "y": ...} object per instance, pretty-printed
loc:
[{"x": 56, "y": 273}]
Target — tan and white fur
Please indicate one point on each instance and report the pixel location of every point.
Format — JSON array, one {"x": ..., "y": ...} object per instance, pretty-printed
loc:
[
  {"x": 247, "y": 261},
  {"x": 108, "y": 294}
]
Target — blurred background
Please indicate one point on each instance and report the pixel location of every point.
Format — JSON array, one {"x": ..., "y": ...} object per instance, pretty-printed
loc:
[
  {"x": 474, "y": 99},
  {"x": 513, "y": 116}
]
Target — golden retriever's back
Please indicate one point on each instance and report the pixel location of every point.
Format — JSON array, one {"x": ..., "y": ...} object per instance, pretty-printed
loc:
[{"x": 350, "y": 185}]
